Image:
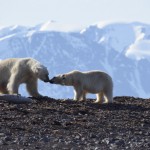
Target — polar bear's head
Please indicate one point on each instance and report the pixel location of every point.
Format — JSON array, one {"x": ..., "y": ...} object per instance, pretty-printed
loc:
[
  {"x": 41, "y": 72},
  {"x": 64, "y": 79}
]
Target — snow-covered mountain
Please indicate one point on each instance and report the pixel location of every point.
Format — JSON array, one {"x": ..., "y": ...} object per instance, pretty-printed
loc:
[{"x": 120, "y": 49}]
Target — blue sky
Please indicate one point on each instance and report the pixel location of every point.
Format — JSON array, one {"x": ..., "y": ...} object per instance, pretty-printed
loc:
[{"x": 84, "y": 12}]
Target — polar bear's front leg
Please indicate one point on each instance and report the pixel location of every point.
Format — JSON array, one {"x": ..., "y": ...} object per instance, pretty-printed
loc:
[
  {"x": 78, "y": 93},
  {"x": 100, "y": 97},
  {"x": 13, "y": 85},
  {"x": 31, "y": 86},
  {"x": 83, "y": 97}
]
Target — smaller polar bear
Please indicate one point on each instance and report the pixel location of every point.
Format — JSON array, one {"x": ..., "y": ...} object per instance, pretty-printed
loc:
[
  {"x": 15, "y": 71},
  {"x": 95, "y": 82}
]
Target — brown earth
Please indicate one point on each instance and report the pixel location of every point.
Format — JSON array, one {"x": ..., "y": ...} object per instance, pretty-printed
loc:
[{"x": 67, "y": 125}]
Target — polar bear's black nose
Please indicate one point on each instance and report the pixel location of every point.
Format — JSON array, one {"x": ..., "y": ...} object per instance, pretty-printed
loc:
[
  {"x": 46, "y": 80},
  {"x": 51, "y": 81}
]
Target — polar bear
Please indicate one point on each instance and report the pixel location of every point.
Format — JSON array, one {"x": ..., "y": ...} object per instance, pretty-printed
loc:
[
  {"x": 15, "y": 71},
  {"x": 95, "y": 82}
]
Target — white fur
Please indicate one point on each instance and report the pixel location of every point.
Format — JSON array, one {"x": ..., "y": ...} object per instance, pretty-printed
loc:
[
  {"x": 95, "y": 82},
  {"x": 15, "y": 71}
]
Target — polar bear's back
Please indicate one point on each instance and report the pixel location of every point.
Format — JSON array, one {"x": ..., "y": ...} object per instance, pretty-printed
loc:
[
  {"x": 96, "y": 75},
  {"x": 91, "y": 75},
  {"x": 7, "y": 65}
]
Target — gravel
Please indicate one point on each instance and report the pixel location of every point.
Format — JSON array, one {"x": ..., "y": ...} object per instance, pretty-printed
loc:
[{"x": 67, "y": 125}]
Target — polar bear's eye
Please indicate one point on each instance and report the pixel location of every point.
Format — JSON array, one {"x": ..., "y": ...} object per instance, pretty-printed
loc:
[{"x": 63, "y": 77}]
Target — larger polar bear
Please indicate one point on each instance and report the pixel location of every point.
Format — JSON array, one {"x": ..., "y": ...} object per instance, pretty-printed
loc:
[
  {"x": 15, "y": 71},
  {"x": 96, "y": 82}
]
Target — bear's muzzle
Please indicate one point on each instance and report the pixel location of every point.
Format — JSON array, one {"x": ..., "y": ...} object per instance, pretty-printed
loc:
[{"x": 51, "y": 81}]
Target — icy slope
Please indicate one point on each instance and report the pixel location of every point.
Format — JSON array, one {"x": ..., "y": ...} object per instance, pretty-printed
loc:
[{"x": 120, "y": 49}]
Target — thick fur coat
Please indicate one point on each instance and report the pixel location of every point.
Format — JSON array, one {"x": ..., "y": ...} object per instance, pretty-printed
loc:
[
  {"x": 95, "y": 82},
  {"x": 15, "y": 71}
]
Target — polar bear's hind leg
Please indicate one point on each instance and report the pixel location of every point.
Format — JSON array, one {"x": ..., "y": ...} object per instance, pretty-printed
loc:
[{"x": 99, "y": 97}]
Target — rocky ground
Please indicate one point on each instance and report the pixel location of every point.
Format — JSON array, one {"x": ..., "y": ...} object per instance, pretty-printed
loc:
[{"x": 67, "y": 125}]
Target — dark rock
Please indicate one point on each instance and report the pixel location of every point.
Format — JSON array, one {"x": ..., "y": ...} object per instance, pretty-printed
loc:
[{"x": 58, "y": 124}]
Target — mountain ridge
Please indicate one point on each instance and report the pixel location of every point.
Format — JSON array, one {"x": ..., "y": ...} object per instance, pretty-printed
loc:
[{"x": 112, "y": 48}]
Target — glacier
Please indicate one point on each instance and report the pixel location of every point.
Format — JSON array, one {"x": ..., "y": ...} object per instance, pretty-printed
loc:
[{"x": 120, "y": 49}]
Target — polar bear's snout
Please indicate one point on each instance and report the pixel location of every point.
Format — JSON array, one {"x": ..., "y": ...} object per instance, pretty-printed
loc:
[
  {"x": 46, "y": 79},
  {"x": 52, "y": 81},
  {"x": 57, "y": 80}
]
